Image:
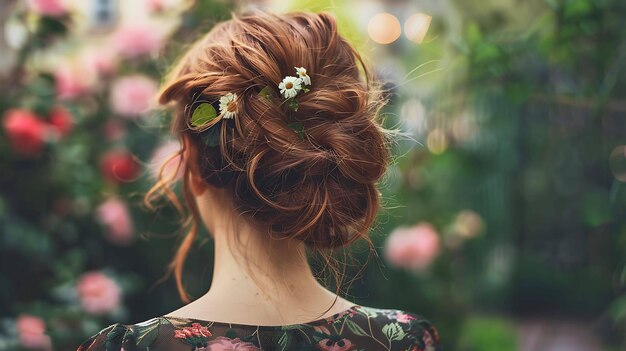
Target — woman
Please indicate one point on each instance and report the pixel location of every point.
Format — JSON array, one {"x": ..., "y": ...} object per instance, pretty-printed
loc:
[{"x": 277, "y": 118}]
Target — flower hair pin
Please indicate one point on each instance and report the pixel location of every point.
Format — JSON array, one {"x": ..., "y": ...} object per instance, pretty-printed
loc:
[
  {"x": 291, "y": 86},
  {"x": 204, "y": 117}
]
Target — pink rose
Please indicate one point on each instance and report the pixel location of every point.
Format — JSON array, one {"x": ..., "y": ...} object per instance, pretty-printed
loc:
[
  {"x": 160, "y": 157},
  {"x": 31, "y": 331},
  {"x": 131, "y": 96},
  {"x": 412, "y": 248},
  {"x": 51, "y": 8},
  {"x": 222, "y": 343},
  {"x": 25, "y": 131},
  {"x": 73, "y": 80},
  {"x": 138, "y": 39},
  {"x": 98, "y": 293},
  {"x": 99, "y": 60},
  {"x": 113, "y": 213}
]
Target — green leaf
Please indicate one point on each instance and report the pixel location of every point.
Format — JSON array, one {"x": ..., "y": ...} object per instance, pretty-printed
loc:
[
  {"x": 393, "y": 331},
  {"x": 355, "y": 328},
  {"x": 49, "y": 26},
  {"x": 297, "y": 127},
  {"x": 115, "y": 337},
  {"x": 305, "y": 89},
  {"x": 293, "y": 104},
  {"x": 577, "y": 8},
  {"x": 367, "y": 312},
  {"x": 486, "y": 52},
  {"x": 204, "y": 113},
  {"x": 211, "y": 136},
  {"x": 145, "y": 333},
  {"x": 267, "y": 93},
  {"x": 474, "y": 35},
  {"x": 282, "y": 341},
  {"x": 231, "y": 333}
]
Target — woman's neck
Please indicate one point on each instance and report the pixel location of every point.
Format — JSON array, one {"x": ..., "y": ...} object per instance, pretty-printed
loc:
[{"x": 286, "y": 293}]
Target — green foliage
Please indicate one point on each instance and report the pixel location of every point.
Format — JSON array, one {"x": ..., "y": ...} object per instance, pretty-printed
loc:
[
  {"x": 488, "y": 334},
  {"x": 203, "y": 114}
]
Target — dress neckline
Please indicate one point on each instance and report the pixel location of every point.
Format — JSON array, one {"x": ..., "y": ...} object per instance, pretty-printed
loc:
[{"x": 321, "y": 321}]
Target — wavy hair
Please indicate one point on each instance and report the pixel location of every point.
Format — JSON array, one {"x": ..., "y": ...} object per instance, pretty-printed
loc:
[{"x": 320, "y": 189}]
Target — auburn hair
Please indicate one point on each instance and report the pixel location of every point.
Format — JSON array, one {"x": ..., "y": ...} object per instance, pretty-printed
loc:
[{"x": 320, "y": 188}]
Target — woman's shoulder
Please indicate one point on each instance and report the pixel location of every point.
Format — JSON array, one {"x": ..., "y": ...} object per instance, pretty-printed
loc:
[
  {"x": 363, "y": 326},
  {"x": 403, "y": 326},
  {"x": 119, "y": 336}
]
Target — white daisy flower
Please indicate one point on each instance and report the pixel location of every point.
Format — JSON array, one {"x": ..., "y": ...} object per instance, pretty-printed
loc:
[
  {"x": 301, "y": 71},
  {"x": 228, "y": 105},
  {"x": 290, "y": 86}
]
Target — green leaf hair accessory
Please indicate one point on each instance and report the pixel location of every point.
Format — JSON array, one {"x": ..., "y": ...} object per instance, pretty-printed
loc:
[
  {"x": 267, "y": 93},
  {"x": 298, "y": 127},
  {"x": 203, "y": 114},
  {"x": 204, "y": 117},
  {"x": 211, "y": 137}
]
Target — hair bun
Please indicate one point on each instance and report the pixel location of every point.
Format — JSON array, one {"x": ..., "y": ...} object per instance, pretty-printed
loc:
[{"x": 318, "y": 186}]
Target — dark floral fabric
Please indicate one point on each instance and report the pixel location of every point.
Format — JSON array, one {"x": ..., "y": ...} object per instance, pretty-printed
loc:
[{"x": 359, "y": 328}]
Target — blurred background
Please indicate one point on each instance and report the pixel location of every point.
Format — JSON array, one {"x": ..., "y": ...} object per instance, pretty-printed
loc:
[{"x": 505, "y": 212}]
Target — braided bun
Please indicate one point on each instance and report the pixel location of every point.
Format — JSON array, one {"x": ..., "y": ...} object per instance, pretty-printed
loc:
[{"x": 319, "y": 187}]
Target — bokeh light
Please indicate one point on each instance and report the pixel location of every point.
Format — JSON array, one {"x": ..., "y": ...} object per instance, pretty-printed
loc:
[
  {"x": 413, "y": 115},
  {"x": 437, "y": 141},
  {"x": 384, "y": 28},
  {"x": 416, "y": 27}
]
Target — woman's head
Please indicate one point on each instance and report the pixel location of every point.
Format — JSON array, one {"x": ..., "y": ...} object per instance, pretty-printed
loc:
[{"x": 317, "y": 185}]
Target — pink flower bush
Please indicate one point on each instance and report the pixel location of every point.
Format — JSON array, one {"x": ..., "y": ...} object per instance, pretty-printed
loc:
[
  {"x": 97, "y": 293},
  {"x": 114, "y": 214},
  {"x": 160, "y": 156},
  {"x": 25, "y": 131},
  {"x": 413, "y": 248},
  {"x": 31, "y": 332},
  {"x": 73, "y": 80},
  {"x": 51, "y": 8},
  {"x": 131, "y": 96},
  {"x": 98, "y": 60},
  {"x": 139, "y": 39}
]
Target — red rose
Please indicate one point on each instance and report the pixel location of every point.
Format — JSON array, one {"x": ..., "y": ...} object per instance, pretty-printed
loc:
[
  {"x": 119, "y": 166},
  {"x": 25, "y": 130},
  {"x": 61, "y": 120}
]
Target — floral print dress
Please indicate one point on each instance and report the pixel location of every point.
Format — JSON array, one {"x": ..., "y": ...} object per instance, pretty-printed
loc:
[{"x": 359, "y": 328}]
